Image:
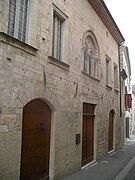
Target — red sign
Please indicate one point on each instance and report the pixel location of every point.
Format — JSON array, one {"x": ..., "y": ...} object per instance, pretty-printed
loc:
[{"x": 128, "y": 101}]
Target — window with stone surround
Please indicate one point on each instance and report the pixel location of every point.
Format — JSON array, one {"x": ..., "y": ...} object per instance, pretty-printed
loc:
[
  {"x": 18, "y": 19},
  {"x": 115, "y": 77},
  {"x": 59, "y": 19},
  {"x": 108, "y": 71},
  {"x": 91, "y": 54},
  {"x": 58, "y": 51},
  {"x": 57, "y": 36}
]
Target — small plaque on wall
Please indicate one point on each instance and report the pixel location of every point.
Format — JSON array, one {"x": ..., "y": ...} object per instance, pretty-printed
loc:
[{"x": 78, "y": 138}]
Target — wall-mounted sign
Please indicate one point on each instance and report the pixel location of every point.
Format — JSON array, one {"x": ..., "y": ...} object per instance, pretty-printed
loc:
[{"x": 128, "y": 101}]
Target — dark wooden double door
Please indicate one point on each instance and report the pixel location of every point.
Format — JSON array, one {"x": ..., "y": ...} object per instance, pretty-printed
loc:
[
  {"x": 36, "y": 126},
  {"x": 88, "y": 134}
]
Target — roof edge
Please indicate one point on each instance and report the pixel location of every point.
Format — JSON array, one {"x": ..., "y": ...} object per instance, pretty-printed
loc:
[
  {"x": 112, "y": 19},
  {"x": 105, "y": 15}
]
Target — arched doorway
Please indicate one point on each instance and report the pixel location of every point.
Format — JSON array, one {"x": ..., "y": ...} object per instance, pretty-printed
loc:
[
  {"x": 111, "y": 128},
  {"x": 36, "y": 127}
]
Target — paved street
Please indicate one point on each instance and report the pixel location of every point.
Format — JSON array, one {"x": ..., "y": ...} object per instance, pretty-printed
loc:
[
  {"x": 131, "y": 174},
  {"x": 113, "y": 167}
]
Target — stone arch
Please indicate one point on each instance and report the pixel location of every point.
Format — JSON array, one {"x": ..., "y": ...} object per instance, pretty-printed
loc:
[
  {"x": 36, "y": 136},
  {"x": 23, "y": 97},
  {"x": 113, "y": 111},
  {"x": 91, "y": 54},
  {"x": 90, "y": 36},
  {"x": 35, "y": 92},
  {"x": 111, "y": 131}
]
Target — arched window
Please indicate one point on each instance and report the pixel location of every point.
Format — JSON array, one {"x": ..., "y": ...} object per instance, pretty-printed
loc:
[{"x": 91, "y": 54}]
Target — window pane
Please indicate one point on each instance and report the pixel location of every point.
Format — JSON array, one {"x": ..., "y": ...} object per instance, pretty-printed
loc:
[
  {"x": 59, "y": 40},
  {"x": 12, "y": 8},
  {"x": 11, "y": 24},
  {"x": 20, "y": 29},
  {"x": 13, "y": 1},
  {"x": 17, "y": 20},
  {"x": 23, "y": 38},
  {"x": 19, "y": 36},
  {"x": 23, "y": 19},
  {"x": 95, "y": 67},
  {"x": 53, "y": 36},
  {"x": 115, "y": 77},
  {"x": 57, "y": 32},
  {"x": 10, "y": 31},
  {"x": 107, "y": 71},
  {"x": 11, "y": 17}
]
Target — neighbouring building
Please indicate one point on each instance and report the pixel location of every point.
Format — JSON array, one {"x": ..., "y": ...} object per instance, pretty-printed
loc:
[
  {"x": 132, "y": 119},
  {"x": 59, "y": 87},
  {"x": 126, "y": 90}
]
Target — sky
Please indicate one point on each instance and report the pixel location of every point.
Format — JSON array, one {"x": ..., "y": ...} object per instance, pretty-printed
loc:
[{"x": 123, "y": 14}]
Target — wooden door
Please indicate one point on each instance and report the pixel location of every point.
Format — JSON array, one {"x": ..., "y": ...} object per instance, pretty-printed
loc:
[
  {"x": 88, "y": 134},
  {"x": 36, "y": 126},
  {"x": 110, "y": 135}
]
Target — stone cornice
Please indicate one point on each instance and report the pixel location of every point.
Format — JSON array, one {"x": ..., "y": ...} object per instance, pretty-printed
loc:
[{"x": 105, "y": 15}]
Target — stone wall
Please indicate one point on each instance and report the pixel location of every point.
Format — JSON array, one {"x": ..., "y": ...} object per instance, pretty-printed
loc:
[{"x": 27, "y": 72}]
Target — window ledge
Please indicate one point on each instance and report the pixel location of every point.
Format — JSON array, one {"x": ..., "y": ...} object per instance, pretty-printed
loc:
[
  {"x": 108, "y": 87},
  {"x": 116, "y": 90},
  {"x": 88, "y": 75},
  {"x": 58, "y": 63},
  {"x": 17, "y": 43}
]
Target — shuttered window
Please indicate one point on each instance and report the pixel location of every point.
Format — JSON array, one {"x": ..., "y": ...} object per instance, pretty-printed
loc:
[{"x": 18, "y": 18}]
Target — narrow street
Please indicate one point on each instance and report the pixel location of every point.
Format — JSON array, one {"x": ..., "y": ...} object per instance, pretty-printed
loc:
[
  {"x": 117, "y": 166},
  {"x": 67, "y": 90},
  {"x": 131, "y": 174}
]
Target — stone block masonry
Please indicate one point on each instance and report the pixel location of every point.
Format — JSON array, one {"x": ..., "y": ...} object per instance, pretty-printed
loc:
[{"x": 28, "y": 72}]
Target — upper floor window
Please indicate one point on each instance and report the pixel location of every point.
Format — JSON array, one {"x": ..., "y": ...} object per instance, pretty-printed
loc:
[
  {"x": 57, "y": 36},
  {"x": 17, "y": 19},
  {"x": 115, "y": 76},
  {"x": 108, "y": 71},
  {"x": 91, "y": 54}
]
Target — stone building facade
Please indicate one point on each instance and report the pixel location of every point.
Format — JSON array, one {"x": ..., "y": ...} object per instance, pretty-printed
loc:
[
  {"x": 132, "y": 119},
  {"x": 126, "y": 89},
  {"x": 59, "y": 87}
]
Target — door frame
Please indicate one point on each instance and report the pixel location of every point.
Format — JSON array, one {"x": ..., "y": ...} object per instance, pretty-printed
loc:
[
  {"x": 95, "y": 134},
  {"x": 113, "y": 130},
  {"x": 52, "y": 136}
]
